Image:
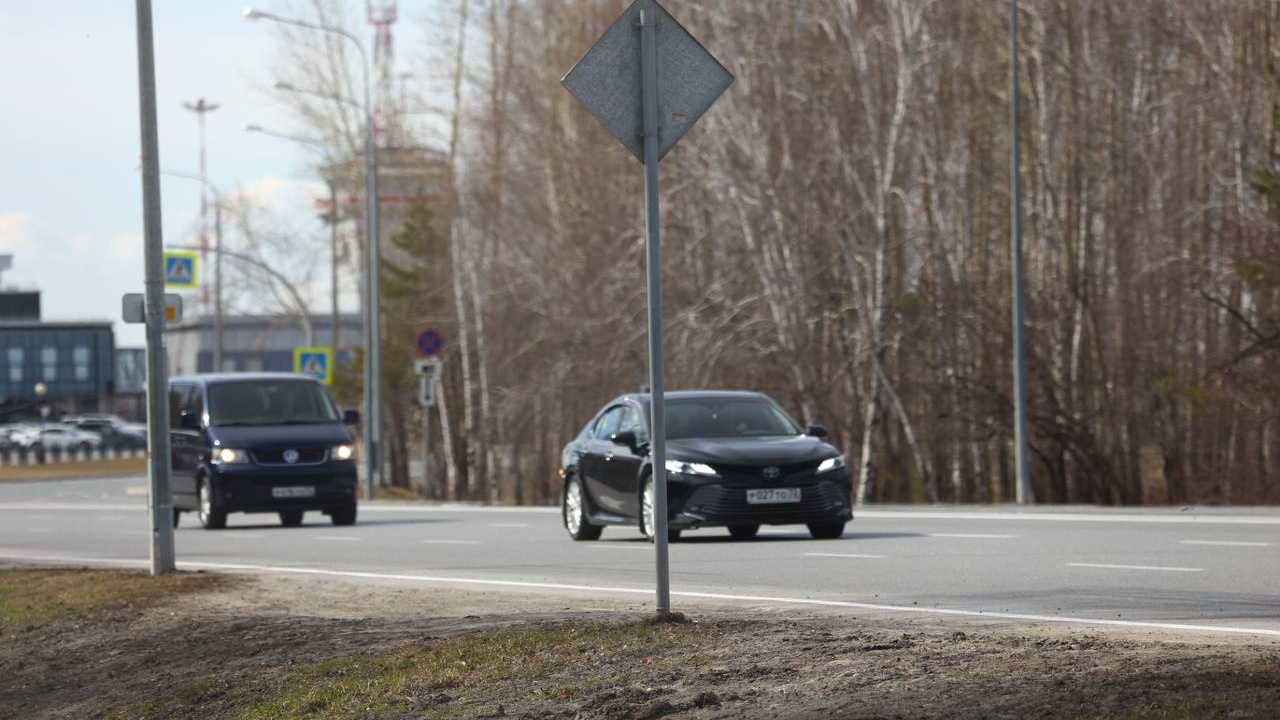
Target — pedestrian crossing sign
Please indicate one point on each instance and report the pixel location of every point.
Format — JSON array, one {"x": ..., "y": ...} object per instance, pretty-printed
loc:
[
  {"x": 181, "y": 269},
  {"x": 314, "y": 362}
]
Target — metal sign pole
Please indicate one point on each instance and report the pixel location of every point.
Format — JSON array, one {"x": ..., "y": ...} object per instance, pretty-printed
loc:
[
  {"x": 1023, "y": 490},
  {"x": 161, "y": 503},
  {"x": 426, "y": 447},
  {"x": 653, "y": 270}
]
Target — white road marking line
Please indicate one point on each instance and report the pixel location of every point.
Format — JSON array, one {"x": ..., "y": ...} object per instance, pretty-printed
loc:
[
  {"x": 452, "y": 542},
  {"x": 1228, "y": 543},
  {"x": 973, "y": 536},
  {"x": 842, "y": 555},
  {"x": 509, "y": 525},
  {"x": 341, "y": 538},
  {"x": 135, "y": 490},
  {"x": 1189, "y": 517},
  {"x": 1134, "y": 567},
  {"x": 432, "y": 579}
]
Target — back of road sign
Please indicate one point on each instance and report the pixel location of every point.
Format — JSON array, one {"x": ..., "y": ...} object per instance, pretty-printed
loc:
[{"x": 607, "y": 80}]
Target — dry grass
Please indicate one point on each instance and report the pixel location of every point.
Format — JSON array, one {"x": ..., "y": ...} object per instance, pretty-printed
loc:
[
  {"x": 72, "y": 470},
  {"x": 37, "y": 596}
]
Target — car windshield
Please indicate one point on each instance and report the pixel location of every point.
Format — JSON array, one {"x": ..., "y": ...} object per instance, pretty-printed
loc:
[
  {"x": 721, "y": 418},
  {"x": 270, "y": 402}
]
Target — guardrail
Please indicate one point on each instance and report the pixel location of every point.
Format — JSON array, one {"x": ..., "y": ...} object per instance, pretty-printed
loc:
[{"x": 16, "y": 456}]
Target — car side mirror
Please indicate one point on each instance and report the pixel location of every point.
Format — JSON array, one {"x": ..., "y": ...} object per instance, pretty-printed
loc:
[
  {"x": 625, "y": 437},
  {"x": 351, "y": 417},
  {"x": 818, "y": 431},
  {"x": 189, "y": 421}
]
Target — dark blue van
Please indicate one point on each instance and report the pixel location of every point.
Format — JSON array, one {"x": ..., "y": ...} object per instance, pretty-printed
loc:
[{"x": 260, "y": 442}]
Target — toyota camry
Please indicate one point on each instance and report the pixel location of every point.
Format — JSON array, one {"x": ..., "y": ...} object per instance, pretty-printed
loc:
[{"x": 734, "y": 460}]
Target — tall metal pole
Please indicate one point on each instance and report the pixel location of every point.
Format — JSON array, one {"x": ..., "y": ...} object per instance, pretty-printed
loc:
[
  {"x": 653, "y": 270},
  {"x": 372, "y": 314},
  {"x": 158, "y": 498},
  {"x": 218, "y": 343},
  {"x": 335, "y": 332},
  {"x": 200, "y": 107},
  {"x": 1015, "y": 220},
  {"x": 373, "y": 309}
]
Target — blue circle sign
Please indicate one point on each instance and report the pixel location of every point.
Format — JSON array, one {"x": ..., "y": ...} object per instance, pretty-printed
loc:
[{"x": 430, "y": 343}]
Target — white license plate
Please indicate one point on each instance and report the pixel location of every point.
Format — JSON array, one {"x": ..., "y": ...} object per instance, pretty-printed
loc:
[
  {"x": 773, "y": 496},
  {"x": 293, "y": 492}
]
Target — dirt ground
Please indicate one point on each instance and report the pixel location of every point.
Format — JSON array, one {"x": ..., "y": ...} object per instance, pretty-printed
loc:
[{"x": 222, "y": 649}]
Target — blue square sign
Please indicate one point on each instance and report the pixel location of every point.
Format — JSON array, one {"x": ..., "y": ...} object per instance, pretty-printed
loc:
[{"x": 181, "y": 270}]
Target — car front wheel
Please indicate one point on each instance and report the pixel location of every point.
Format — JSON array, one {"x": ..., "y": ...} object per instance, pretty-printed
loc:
[
  {"x": 826, "y": 530},
  {"x": 291, "y": 518},
  {"x": 345, "y": 515},
  {"x": 212, "y": 517},
  {"x": 574, "y": 510},
  {"x": 647, "y": 517},
  {"x": 744, "y": 532}
]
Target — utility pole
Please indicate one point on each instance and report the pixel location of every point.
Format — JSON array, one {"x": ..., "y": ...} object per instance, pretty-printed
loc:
[
  {"x": 159, "y": 497},
  {"x": 1015, "y": 221},
  {"x": 201, "y": 108}
]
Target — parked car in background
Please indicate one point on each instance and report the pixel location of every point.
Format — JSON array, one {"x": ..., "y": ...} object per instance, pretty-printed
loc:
[
  {"x": 9, "y": 434},
  {"x": 734, "y": 460},
  {"x": 116, "y": 433},
  {"x": 58, "y": 437}
]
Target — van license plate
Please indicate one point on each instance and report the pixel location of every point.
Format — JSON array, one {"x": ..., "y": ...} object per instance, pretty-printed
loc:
[
  {"x": 773, "y": 496},
  {"x": 293, "y": 492}
]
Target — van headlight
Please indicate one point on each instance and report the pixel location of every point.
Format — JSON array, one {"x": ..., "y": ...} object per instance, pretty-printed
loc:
[
  {"x": 342, "y": 452},
  {"x": 230, "y": 456},
  {"x": 830, "y": 464},
  {"x": 686, "y": 468}
]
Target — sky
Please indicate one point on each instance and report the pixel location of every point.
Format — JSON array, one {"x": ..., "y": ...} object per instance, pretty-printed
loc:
[{"x": 70, "y": 190}]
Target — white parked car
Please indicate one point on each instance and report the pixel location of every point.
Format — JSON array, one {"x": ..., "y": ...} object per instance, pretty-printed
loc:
[{"x": 60, "y": 437}]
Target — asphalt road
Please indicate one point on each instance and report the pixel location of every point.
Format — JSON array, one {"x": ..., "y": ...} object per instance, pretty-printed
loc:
[{"x": 1187, "y": 571}]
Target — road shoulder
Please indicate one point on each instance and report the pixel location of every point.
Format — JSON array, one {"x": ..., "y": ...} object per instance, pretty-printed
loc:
[{"x": 262, "y": 646}]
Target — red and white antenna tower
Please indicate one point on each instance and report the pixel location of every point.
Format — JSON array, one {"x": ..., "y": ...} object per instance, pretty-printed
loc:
[{"x": 382, "y": 15}]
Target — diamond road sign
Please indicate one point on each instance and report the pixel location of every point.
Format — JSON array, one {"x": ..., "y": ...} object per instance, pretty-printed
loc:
[{"x": 607, "y": 80}]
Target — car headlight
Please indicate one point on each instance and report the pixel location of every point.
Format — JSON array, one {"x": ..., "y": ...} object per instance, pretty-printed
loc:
[
  {"x": 230, "y": 456},
  {"x": 830, "y": 464},
  {"x": 686, "y": 468},
  {"x": 342, "y": 452}
]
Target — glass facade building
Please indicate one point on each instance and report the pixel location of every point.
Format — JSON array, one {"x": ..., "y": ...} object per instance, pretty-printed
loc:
[{"x": 65, "y": 360}]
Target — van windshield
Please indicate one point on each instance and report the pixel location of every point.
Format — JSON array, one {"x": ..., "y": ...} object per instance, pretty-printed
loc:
[{"x": 270, "y": 402}]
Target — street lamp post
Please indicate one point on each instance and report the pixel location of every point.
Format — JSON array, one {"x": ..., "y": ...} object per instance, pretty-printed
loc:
[
  {"x": 335, "y": 315},
  {"x": 373, "y": 324},
  {"x": 218, "y": 345}
]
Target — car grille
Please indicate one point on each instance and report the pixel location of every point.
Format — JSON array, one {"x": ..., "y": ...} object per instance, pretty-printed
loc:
[
  {"x": 816, "y": 499},
  {"x": 792, "y": 473},
  {"x": 275, "y": 456}
]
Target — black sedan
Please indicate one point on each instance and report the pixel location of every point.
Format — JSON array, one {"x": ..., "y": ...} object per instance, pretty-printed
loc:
[{"x": 734, "y": 459}]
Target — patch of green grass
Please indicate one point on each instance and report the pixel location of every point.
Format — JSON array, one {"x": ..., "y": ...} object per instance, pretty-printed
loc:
[
  {"x": 461, "y": 676},
  {"x": 37, "y": 596}
]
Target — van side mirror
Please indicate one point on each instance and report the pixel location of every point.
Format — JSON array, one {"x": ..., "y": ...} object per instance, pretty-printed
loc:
[
  {"x": 189, "y": 421},
  {"x": 351, "y": 417},
  {"x": 818, "y": 431},
  {"x": 625, "y": 437}
]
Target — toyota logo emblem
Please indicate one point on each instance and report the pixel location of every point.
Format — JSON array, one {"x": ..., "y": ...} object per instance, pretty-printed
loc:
[
  {"x": 291, "y": 456},
  {"x": 771, "y": 473}
]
